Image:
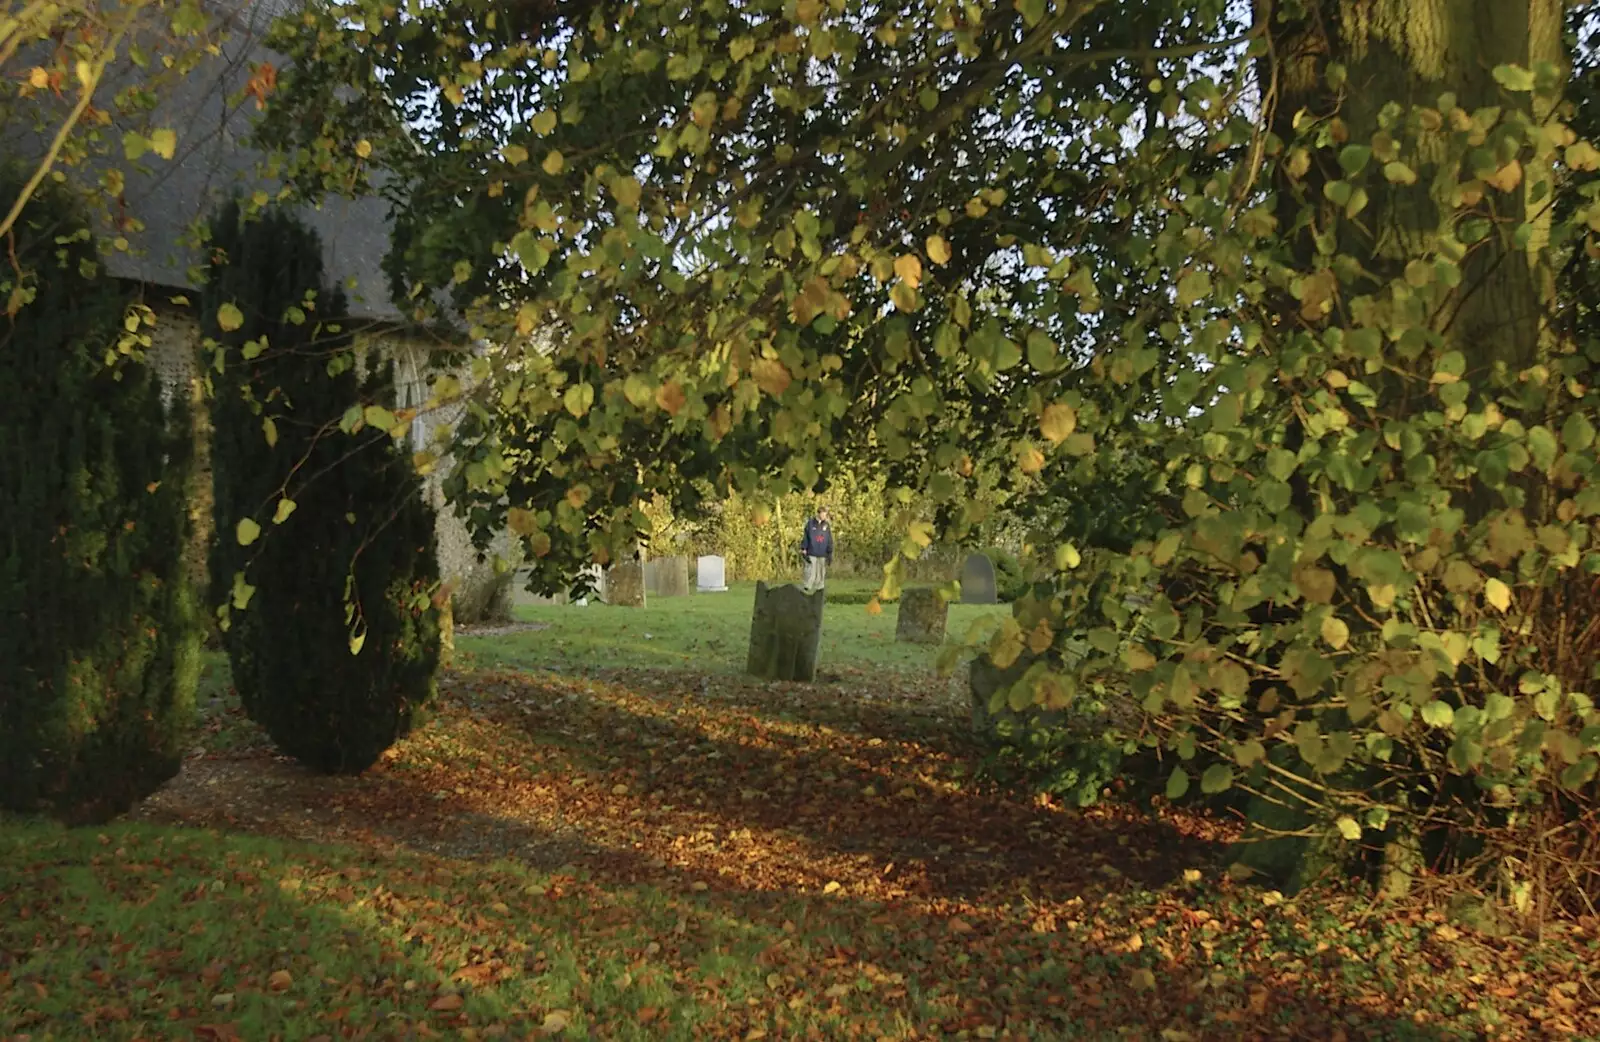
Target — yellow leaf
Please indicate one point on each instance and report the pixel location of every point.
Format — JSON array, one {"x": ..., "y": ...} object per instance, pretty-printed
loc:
[
  {"x": 1058, "y": 422},
  {"x": 1497, "y": 594},
  {"x": 626, "y": 190},
  {"x": 38, "y": 79},
  {"x": 527, "y": 318},
  {"x": 555, "y": 1021},
  {"x": 909, "y": 268},
  {"x": 522, "y": 521},
  {"x": 904, "y": 297},
  {"x": 544, "y": 123},
  {"x": 516, "y": 155},
  {"x": 1143, "y": 980},
  {"x": 229, "y": 317},
  {"x": 554, "y": 163},
  {"x": 357, "y": 642},
  {"x": 247, "y": 531},
  {"x": 164, "y": 143},
  {"x": 269, "y": 430},
  {"x": 285, "y": 508},
  {"x": 938, "y": 249},
  {"x": 771, "y": 375},
  {"x": 1348, "y": 828},
  {"x": 1029, "y": 459},
  {"x": 1041, "y": 638},
  {"x": 363, "y": 148},
  {"x": 671, "y": 398},
  {"x": 874, "y": 607},
  {"x": 1507, "y": 178},
  {"x": 1335, "y": 632}
]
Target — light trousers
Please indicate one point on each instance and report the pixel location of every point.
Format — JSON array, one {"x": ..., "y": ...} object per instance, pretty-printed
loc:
[{"x": 816, "y": 573}]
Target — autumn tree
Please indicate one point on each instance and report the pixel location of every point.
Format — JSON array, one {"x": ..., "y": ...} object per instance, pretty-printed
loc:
[{"x": 1298, "y": 275}]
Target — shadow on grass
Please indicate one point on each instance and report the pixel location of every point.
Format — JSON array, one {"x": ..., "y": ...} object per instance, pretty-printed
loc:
[
  {"x": 135, "y": 932},
  {"x": 906, "y": 805}
]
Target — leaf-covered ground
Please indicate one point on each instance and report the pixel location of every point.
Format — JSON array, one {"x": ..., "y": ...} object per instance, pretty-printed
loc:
[{"x": 668, "y": 855}]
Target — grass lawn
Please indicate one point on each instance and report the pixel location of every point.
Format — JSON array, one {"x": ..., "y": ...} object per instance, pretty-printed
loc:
[
  {"x": 683, "y": 853},
  {"x": 706, "y": 632}
]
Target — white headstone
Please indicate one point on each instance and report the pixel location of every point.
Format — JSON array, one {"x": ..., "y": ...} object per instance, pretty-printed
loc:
[{"x": 712, "y": 575}]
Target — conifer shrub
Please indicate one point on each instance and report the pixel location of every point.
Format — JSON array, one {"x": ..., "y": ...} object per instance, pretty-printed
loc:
[
  {"x": 99, "y": 643},
  {"x": 322, "y": 560}
]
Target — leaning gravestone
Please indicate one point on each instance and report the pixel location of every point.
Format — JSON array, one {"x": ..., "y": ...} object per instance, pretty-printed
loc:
[
  {"x": 785, "y": 633},
  {"x": 977, "y": 581},
  {"x": 624, "y": 585},
  {"x": 666, "y": 577},
  {"x": 922, "y": 616},
  {"x": 712, "y": 575}
]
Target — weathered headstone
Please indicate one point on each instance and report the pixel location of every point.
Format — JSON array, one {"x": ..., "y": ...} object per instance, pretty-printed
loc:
[
  {"x": 711, "y": 574},
  {"x": 785, "y": 633},
  {"x": 624, "y": 584},
  {"x": 666, "y": 577},
  {"x": 985, "y": 680},
  {"x": 977, "y": 581},
  {"x": 922, "y": 616}
]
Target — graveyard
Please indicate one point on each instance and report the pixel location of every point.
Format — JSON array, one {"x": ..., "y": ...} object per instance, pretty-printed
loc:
[
  {"x": 701, "y": 522},
  {"x": 609, "y": 829}
]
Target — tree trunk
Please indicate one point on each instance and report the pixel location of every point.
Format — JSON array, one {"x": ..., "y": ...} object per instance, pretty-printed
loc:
[{"x": 1412, "y": 52}]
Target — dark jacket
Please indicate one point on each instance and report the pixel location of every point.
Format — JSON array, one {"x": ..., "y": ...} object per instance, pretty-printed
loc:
[{"x": 818, "y": 540}]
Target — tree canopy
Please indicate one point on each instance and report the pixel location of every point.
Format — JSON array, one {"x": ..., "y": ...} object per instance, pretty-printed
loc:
[{"x": 1298, "y": 270}]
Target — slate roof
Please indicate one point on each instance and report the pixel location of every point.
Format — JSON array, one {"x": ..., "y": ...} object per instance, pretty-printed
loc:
[{"x": 211, "y": 161}]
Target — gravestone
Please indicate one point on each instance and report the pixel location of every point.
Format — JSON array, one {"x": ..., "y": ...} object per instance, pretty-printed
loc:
[
  {"x": 712, "y": 575},
  {"x": 666, "y": 577},
  {"x": 785, "y": 633},
  {"x": 624, "y": 585},
  {"x": 977, "y": 581},
  {"x": 922, "y": 616}
]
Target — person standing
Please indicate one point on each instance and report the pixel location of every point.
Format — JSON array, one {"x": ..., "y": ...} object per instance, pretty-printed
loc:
[{"x": 816, "y": 546}]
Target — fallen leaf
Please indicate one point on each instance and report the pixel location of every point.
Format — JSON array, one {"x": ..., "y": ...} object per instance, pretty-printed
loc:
[
  {"x": 280, "y": 980},
  {"x": 446, "y": 1003}
]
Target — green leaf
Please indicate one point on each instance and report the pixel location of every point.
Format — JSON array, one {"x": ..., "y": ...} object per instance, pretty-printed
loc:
[
  {"x": 1438, "y": 714},
  {"x": 285, "y": 508},
  {"x": 247, "y": 531},
  {"x": 1217, "y": 778},
  {"x": 1247, "y": 754},
  {"x": 1577, "y": 433},
  {"x": 1177, "y": 783},
  {"x": 1354, "y": 158},
  {"x": 357, "y": 642},
  {"x": 1032, "y": 11},
  {"x": 1396, "y": 172},
  {"x": 1193, "y": 287},
  {"x": 1513, "y": 78},
  {"x": 379, "y": 417},
  {"x": 229, "y": 317},
  {"x": 242, "y": 592},
  {"x": 579, "y": 398},
  {"x": 1542, "y": 446}
]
